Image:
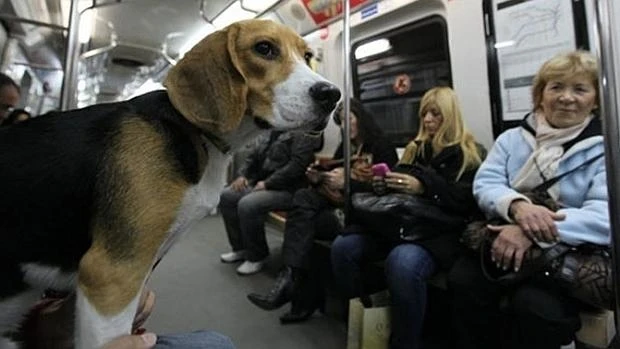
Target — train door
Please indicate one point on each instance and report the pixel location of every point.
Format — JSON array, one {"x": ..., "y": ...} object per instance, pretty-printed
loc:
[
  {"x": 392, "y": 70},
  {"x": 431, "y": 42}
]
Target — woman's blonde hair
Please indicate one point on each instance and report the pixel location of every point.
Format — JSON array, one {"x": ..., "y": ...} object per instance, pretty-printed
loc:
[
  {"x": 451, "y": 131},
  {"x": 563, "y": 66}
]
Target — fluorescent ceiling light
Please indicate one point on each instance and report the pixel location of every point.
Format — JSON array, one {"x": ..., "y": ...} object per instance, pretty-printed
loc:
[
  {"x": 505, "y": 44},
  {"x": 258, "y": 6},
  {"x": 204, "y": 31},
  {"x": 372, "y": 48},
  {"x": 233, "y": 13},
  {"x": 87, "y": 24}
]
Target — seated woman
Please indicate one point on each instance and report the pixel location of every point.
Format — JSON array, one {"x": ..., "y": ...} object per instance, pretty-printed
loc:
[
  {"x": 445, "y": 158},
  {"x": 312, "y": 217},
  {"x": 559, "y": 135}
]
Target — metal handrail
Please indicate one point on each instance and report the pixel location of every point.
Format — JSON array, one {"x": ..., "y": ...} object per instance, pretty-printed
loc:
[
  {"x": 610, "y": 113},
  {"x": 33, "y": 22},
  {"x": 346, "y": 103},
  {"x": 71, "y": 56}
]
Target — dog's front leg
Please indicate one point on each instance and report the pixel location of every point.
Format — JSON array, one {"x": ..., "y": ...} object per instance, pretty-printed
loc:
[{"x": 107, "y": 297}]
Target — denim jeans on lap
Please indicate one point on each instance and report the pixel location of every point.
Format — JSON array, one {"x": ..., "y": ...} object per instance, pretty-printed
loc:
[{"x": 194, "y": 340}]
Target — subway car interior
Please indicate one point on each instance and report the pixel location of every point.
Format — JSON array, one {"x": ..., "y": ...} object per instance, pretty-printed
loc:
[{"x": 71, "y": 54}]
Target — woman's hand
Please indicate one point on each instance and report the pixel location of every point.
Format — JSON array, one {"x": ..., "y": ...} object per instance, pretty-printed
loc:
[
  {"x": 537, "y": 222},
  {"x": 334, "y": 179},
  {"x": 144, "y": 341},
  {"x": 404, "y": 183},
  {"x": 378, "y": 185},
  {"x": 313, "y": 175},
  {"x": 239, "y": 184},
  {"x": 510, "y": 246}
]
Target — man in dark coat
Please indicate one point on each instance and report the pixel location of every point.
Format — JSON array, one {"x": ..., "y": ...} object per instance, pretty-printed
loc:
[{"x": 273, "y": 170}]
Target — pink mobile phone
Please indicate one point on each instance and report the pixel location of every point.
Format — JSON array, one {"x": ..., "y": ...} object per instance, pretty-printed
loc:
[{"x": 380, "y": 170}]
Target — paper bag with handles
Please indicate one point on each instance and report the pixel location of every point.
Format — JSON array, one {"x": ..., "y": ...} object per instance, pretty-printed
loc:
[{"x": 369, "y": 328}]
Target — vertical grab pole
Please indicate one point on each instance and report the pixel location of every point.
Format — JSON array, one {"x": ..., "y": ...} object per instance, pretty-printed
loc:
[
  {"x": 346, "y": 92},
  {"x": 71, "y": 52},
  {"x": 608, "y": 86}
]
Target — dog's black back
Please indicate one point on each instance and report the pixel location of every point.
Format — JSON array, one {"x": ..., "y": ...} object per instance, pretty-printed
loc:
[{"x": 53, "y": 175}]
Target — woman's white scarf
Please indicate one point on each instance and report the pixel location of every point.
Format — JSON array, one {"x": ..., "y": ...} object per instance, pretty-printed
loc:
[{"x": 544, "y": 161}]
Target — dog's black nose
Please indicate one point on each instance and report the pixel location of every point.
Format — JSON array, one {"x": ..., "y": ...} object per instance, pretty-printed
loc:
[{"x": 327, "y": 95}]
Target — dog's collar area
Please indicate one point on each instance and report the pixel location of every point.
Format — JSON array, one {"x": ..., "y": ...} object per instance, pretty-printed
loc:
[
  {"x": 218, "y": 142},
  {"x": 262, "y": 124}
]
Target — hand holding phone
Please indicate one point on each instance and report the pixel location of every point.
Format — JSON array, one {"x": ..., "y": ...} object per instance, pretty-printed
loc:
[{"x": 380, "y": 170}]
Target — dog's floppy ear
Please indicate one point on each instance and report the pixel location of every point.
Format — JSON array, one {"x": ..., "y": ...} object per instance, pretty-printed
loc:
[{"x": 207, "y": 85}]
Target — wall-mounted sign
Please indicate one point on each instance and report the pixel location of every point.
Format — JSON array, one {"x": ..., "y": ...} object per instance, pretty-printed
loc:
[
  {"x": 324, "y": 10},
  {"x": 402, "y": 84},
  {"x": 527, "y": 33}
]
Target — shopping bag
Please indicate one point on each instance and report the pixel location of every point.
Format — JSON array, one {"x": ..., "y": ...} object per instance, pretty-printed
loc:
[{"x": 369, "y": 328}]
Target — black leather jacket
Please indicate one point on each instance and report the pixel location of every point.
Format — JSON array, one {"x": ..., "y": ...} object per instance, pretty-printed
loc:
[{"x": 280, "y": 159}]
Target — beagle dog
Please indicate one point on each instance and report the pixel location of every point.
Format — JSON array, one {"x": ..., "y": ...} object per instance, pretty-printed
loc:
[{"x": 91, "y": 199}]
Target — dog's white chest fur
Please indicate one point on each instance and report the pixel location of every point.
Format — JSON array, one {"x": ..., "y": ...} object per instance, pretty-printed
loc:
[{"x": 199, "y": 199}]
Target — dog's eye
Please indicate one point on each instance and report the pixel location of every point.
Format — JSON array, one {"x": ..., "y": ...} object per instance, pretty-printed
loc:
[
  {"x": 266, "y": 49},
  {"x": 308, "y": 57}
]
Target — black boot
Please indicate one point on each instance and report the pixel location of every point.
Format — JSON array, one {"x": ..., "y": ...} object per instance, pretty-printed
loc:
[
  {"x": 307, "y": 297},
  {"x": 279, "y": 294}
]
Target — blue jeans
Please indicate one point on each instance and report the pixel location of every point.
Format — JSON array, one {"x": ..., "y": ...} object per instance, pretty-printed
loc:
[
  {"x": 244, "y": 215},
  {"x": 194, "y": 340},
  {"x": 407, "y": 268}
]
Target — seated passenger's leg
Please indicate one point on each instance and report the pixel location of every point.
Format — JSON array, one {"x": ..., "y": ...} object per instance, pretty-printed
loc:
[
  {"x": 252, "y": 210},
  {"x": 194, "y": 340},
  {"x": 347, "y": 253},
  {"x": 476, "y": 314},
  {"x": 407, "y": 268},
  {"x": 308, "y": 290},
  {"x": 300, "y": 229},
  {"x": 228, "y": 206},
  {"x": 308, "y": 208},
  {"x": 544, "y": 319}
]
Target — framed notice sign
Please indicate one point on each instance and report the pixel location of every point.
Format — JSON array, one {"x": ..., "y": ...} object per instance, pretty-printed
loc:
[{"x": 522, "y": 35}]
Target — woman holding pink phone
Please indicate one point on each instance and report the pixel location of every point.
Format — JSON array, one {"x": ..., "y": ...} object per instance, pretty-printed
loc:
[{"x": 438, "y": 166}]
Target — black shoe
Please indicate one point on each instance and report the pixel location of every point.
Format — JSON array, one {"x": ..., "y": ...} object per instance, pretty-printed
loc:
[
  {"x": 279, "y": 294},
  {"x": 296, "y": 314},
  {"x": 306, "y": 298}
]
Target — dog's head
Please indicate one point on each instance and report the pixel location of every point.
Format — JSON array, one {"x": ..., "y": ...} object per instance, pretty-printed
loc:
[{"x": 253, "y": 68}]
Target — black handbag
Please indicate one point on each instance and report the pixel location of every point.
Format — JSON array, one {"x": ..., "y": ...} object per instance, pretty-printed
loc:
[
  {"x": 411, "y": 217},
  {"x": 583, "y": 272}
]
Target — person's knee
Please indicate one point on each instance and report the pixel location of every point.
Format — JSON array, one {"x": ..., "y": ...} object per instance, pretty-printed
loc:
[
  {"x": 250, "y": 206},
  {"x": 409, "y": 262},
  {"x": 346, "y": 248},
  {"x": 229, "y": 197}
]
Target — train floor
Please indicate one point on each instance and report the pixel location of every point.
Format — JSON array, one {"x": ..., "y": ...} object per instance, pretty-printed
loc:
[{"x": 196, "y": 291}]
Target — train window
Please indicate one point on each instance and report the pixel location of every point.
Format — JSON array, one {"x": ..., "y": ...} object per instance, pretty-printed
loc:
[{"x": 391, "y": 72}]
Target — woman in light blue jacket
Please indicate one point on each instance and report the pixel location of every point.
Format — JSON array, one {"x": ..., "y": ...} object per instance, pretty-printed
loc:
[{"x": 559, "y": 135}]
